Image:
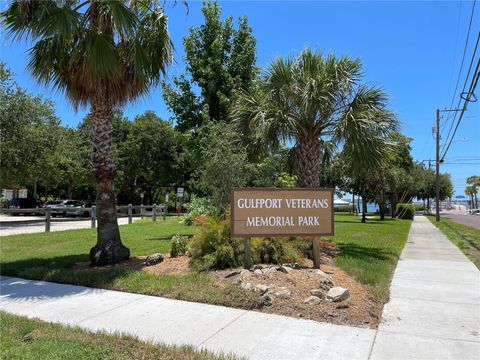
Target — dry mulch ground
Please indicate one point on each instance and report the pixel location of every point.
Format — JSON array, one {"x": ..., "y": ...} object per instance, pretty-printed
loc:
[{"x": 361, "y": 309}]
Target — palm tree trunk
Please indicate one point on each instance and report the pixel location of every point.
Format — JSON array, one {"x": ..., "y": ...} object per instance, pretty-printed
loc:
[
  {"x": 308, "y": 161},
  {"x": 109, "y": 248},
  {"x": 308, "y": 173}
]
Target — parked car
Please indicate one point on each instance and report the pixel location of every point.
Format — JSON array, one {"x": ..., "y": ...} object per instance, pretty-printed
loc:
[
  {"x": 23, "y": 203},
  {"x": 59, "y": 207},
  {"x": 78, "y": 208}
]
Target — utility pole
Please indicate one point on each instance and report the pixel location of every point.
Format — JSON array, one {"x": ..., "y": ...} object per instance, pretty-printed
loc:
[
  {"x": 437, "y": 169},
  {"x": 437, "y": 163}
]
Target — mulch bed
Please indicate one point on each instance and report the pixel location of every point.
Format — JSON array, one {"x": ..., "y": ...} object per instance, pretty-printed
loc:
[{"x": 361, "y": 309}]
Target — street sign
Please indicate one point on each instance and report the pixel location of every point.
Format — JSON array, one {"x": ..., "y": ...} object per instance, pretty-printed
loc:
[
  {"x": 281, "y": 212},
  {"x": 180, "y": 191}
]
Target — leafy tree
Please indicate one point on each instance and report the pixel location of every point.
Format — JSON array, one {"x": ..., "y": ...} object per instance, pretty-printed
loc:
[
  {"x": 219, "y": 59},
  {"x": 147, "y": 158},
  {"x": 102, "y": 54},
  {"x": 313, "y": 99},
  {"x": 30, "y": 136},
  {"x": 224, "y": 166}
]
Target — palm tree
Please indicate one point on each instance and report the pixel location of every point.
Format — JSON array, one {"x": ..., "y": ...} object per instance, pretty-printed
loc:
[
  {"x": 474, "y": 181},
  {"x": 102, "y": 54},
  {"x": 311, "y": 101},
  {"x": 470, "y": 191}
]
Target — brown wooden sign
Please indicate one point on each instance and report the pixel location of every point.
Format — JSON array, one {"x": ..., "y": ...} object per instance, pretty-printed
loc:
[{"x": 281, "y": 212}]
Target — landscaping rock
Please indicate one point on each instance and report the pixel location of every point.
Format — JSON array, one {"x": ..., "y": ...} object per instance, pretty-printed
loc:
[
  {"x": 245, "y": 273},
  {"x": 237, "y": 281},
  {"x": 246, "y": 286},
  {"x": 285, "y": 269},
  {"x": 320, "y": 272},
  {"x": 337, "y": 293},
  {"x": 317, "y": 292},
  {"x": 283, "y": 294},
  {"x": 258, "y": 272},
  {"x": 342, "y": 306},
  {"x": 312, "y": 300},
  {"x": 267, "y": 299},
  {"x": 262, "y": 289},
  {"x": 154, "y": 259},
  {"x": 232, "y": 274},
  {"x": 256, "y": 267},
  {"x": 269, "y": 270}
]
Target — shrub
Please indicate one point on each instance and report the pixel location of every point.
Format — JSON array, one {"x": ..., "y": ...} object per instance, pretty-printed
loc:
[
  {"x": 196, "y": 208},
  {"x": 405, "y": 211},
  {"x": 343, "y": 208},
  {"x": 419, "y": 207},
  {"x": 274, "y": 251},
  {"x": 213, "y": 247},
  {"x": 178, "y": 245}
]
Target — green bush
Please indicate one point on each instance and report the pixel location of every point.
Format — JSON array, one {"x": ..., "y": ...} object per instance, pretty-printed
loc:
[
  {"x": 343, "y": 208},
  {"x": 196, "y": 208},
  {"x": 405, "y": 211},
  {"x": 178, "y": 245},
  {"x": 419, "y": 207},
  {"x": 274, "y": 251},
  {"x": 213, "y": 247}
]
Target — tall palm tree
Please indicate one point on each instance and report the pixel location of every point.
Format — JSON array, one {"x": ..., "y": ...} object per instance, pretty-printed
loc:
[
  {"x": 314, "y": 100},
  {"x": 474, "y": 181},
  {"x": 102, "y": 54}
]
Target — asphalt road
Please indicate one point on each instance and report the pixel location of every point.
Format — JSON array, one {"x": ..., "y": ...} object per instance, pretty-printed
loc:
[{"x": 465, "y": 219}]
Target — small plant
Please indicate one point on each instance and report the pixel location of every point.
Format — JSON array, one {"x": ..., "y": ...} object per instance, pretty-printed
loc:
[
  {"x": 197, "y": 208},
  {"x": 213, "y": 247},
  {"x": 274, "y": 251},
  {"x": 178, "y": 245},
  {"x": 405, "y": 211}
]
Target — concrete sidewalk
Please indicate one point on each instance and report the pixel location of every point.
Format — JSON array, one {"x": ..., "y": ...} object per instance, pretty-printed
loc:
[
  {"x": 434, "y": 313},
  {"x": 251, "y": 334},
  {"x": 434, "y": 308}
]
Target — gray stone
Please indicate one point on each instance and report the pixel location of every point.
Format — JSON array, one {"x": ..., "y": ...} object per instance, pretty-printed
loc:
[
  {"x": 246, "y": 286},
  {"x": 262, "y": 289},
  {"x": 256, "y": 267},
  {"x": 258, "y": 272},
  {"x": 245, "y": 273},
  {"x": 269, "y": 270},
  {"x": 312, "y": 300},
  {"x": 285, "y": 269},
  {"x": 154, "y": 259},
  {"x": 337, "y": 293},
  {"x": 267, "y": 299},
  {"x": 283, "y": 294},
  {"x": 317, "y": 292}
]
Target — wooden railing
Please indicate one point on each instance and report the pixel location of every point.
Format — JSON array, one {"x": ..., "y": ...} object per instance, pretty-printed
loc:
[{"x": 123, "y": 211}]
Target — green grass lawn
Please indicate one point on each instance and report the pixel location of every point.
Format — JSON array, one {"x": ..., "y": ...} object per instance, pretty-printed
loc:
[
  {"x": 369, "y": 253},
  {"x": 26, "y": 339},
  {"x": 465, "y": 237}
]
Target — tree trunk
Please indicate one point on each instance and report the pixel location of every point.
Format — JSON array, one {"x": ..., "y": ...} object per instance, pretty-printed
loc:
[
  {"x": 308, "y": 173},
  {"x": 109, "y": 248},
  {"x": 382, "y": 207},
  {"x": 353, "y": 203},
  {"x": 308, "y": 162},
  {"x": 364, "y": 210}
]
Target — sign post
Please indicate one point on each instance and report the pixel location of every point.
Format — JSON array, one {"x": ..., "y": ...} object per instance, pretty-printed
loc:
[{"x": 282, "y": 212}]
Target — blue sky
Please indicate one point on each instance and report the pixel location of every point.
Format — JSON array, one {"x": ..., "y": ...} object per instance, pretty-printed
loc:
[{"x": 411, "y": 49}]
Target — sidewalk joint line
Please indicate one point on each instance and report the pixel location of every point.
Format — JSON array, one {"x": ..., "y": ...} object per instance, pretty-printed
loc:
[
  {"x": 223, "y": 328},
  {"x": 109, "y": 310}
]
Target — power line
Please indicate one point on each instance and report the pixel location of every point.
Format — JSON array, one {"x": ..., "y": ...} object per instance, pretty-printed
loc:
[
  {"x": 473, "y": 85},
  {"x": 463, "y": 90}
]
